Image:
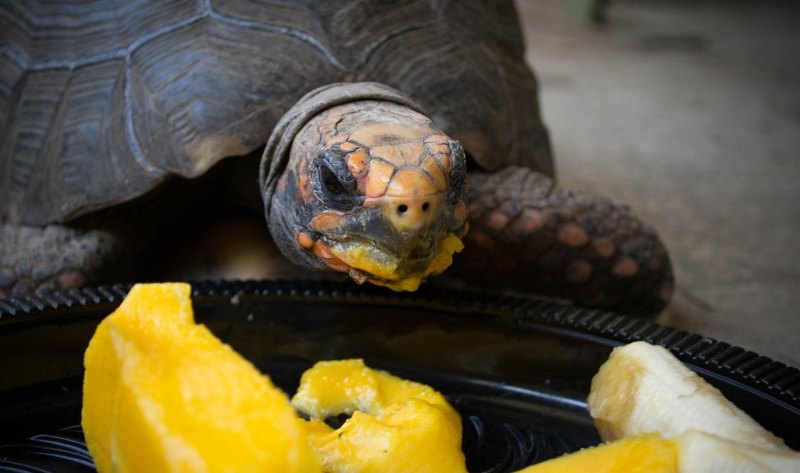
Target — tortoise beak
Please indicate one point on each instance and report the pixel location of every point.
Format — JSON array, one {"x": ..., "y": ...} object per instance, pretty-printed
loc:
[
  {"x": 393, "y": 242},
  {"x": 367, "y": 262}
]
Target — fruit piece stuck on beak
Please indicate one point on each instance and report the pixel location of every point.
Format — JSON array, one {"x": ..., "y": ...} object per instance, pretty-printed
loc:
[
  {"x": 384, "y": 269},
  {"x": 450, "y": 244}
]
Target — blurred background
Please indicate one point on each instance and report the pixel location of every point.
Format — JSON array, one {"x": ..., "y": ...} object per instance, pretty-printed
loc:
[{"x": 689, "y": 111}]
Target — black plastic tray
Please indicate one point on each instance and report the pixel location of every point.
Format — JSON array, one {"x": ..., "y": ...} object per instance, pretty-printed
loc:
[{"x": 517, "y": 369}]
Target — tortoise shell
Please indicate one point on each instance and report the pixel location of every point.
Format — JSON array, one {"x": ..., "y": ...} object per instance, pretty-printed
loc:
[{"x": 106, "y": 100}]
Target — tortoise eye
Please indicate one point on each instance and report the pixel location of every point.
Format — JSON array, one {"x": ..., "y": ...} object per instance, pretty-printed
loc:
[
  {"x": 336, "y": 186},
  {"x": 331, "y": 181}
]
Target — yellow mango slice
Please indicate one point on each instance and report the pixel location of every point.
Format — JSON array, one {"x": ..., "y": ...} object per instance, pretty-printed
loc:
[
  {"x": 645, "y": 454},
  {"x": 396, "y": 425},
  {"x": 384, "y": 266},
  {"x": 450, "y": 244},
  {"x": 162, "y": 394}
]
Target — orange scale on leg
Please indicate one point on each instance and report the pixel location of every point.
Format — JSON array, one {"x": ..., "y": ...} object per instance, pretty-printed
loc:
[
  {"x": 497, "y": 220},
  {"x": 529, "y": 221},
  {"x": 572, "y": 235},
  {"x": 625, "y": 268}
]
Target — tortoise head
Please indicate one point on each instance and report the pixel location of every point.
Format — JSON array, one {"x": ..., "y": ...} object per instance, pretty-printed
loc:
[{"x": 372, "y": 189}]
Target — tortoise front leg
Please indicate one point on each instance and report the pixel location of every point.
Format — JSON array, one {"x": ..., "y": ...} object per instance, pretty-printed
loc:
[
  {"x": 35, "y": 259},
  {"x": 529, "y": 235}
]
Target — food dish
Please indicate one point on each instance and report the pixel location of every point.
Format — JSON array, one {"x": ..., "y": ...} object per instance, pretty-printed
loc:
[{"x": 517, "y": 369}]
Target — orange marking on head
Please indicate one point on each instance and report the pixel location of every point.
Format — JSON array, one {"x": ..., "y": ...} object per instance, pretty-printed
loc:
[
  {"x": 412, "y": 152},
  {"x": 388, "y": 153},
  {"x": 303, "y": 185},
  {"x": 357, "y": 162},
  {"x": 379, "y": 134},
  {"x": 335, "y": 140},
  {"x": 320, "y": 250},
  {"x": 337, "y": 265},
  {"x": 445, "y": 162},
  {"x": 378, "y": 177},
  {"x": 326, "y": 220},
  {"x": 437, "y": 139},
  {"x": 432, "y": 167},
  {"x": 305, "y": 240},
  {"x": 283, "y": 183},
  {"x": 410, "y": 183},
  {"x": 438, "y": 148},
  {"x": 336, "y": 110},
  {"x": 348, "y": 146}
]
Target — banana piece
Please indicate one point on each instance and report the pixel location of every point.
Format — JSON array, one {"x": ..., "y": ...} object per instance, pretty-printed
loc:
[
  {"x": 700, "y": 452},
  {"x": 643, "y": 388}
]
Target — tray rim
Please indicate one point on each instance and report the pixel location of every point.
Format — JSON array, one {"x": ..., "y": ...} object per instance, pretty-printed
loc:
[{"x": 752, "y": 371}]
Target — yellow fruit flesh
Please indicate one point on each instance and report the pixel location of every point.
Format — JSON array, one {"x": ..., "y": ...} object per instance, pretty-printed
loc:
[
  {"x": 645, "y": 454},
  {"x": 396, "y": 425},
  {"x": 384, "y": 267},
  {"x": 449, "y": 245},
  {"x": 367, "y": 258},
  {"x": 163, "y": 394}
]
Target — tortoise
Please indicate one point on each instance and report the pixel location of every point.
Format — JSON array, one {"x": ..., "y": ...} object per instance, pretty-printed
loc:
[{"x": 375, "y": 137}]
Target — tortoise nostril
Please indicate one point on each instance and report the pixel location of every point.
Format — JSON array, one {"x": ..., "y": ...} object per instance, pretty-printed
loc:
[
  {"x": 425, "y": 207},
  {"x": 402, "y": 208}
]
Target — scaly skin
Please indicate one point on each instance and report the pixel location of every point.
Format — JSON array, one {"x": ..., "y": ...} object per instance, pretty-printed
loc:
[
  {"x": 53, "y": 257},
  {"x": 372, "y": 189},
  {"x": 355, "y": 179},
  {"x": 525, "y": 233},
  {"x": 529, "y": 235}
]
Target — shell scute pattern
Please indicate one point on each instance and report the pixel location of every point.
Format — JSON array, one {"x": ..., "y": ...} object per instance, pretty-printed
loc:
[{"x": 111, "y": 98}]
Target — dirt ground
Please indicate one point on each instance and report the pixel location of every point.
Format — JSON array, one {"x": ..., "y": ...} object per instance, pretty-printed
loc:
[{"x": 690, "y": 112}]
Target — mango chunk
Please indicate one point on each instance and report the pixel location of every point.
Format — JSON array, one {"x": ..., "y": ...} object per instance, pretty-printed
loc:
[
  {"x": 162, "y": 394},
  {"x": 396, "y": 425},
  {"x": 450, "y": 244},
  {"x": 645, "y": 454}
]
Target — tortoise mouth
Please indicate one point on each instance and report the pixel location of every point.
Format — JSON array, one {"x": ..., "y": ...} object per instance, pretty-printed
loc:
[
  {"x": 364, "y": 255},
  {"x": 364, "y": 260}
]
